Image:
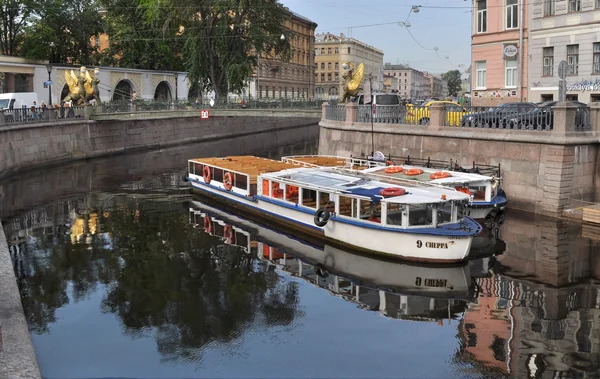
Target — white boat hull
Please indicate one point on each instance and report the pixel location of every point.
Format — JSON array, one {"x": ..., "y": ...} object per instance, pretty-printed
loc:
[{"x": 401, "y": 244}]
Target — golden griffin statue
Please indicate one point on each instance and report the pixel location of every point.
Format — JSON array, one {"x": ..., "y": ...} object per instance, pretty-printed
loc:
[
  {"x": 83, "y": 87},
  {"x": 352, "y": 80}
]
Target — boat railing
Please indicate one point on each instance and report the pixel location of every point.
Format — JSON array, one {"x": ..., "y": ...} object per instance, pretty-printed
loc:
[
  {"x": 297, "y": 160},
  {"x": 236, "y": 181}
]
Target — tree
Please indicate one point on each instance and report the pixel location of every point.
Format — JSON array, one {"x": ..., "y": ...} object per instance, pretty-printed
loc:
[
  {"x": 454, "y": 81},
  {"x": 139, "y": 42},
  {"x": 14, "y": 14},
  {"x": 223, "y": 38},
  {"x": 62, "y": 32}
]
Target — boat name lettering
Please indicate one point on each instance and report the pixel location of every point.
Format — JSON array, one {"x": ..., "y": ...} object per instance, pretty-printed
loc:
[
  {"x": 436, "y": 245},
  {"x": 439, "y": 283},
  {"x": 419, "y": 244}
]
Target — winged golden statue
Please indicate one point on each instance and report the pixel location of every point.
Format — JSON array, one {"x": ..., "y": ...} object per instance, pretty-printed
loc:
[
  {"x": 76, "y": 86},
  {"x": 91, "y": 86},
  {"x": 353, "y": 78}
]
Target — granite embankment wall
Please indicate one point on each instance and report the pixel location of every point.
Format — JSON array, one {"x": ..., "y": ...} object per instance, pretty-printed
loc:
[{"x": 37, "y": 145}]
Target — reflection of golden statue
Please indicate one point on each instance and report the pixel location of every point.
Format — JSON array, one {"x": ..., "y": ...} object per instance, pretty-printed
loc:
[{"x": 352, "y": 81}]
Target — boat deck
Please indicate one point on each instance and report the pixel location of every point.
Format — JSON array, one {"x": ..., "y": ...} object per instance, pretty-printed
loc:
[{"x": 246, "y": 164}]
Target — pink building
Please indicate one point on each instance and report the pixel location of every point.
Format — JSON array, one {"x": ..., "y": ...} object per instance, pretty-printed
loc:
[{"x": 499, "y": 51}]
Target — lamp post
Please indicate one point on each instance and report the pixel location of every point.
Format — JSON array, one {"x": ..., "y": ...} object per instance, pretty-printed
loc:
[
  {"x": 176, "y": 87},
  {"x": 49, "y": 68}
]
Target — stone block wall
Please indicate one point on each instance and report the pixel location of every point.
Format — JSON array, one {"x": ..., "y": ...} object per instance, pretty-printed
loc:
[{"x": 26, "y": 146}]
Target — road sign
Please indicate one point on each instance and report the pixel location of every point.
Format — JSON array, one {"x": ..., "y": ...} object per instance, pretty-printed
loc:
[
  {"x": 204, "y": 114},
  {"x": 367, "y": 92},
  {"x": 563, "y": 69}
]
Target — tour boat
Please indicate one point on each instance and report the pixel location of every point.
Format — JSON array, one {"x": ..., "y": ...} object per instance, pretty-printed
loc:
[
  {"x": 413, "y": 221},
  {"x": 306, "y": 255},
  {"x": 485, "y": 191}
]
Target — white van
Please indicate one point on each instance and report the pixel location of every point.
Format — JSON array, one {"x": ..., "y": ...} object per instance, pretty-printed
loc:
[
  {"x": 387, "y": 108},
  {"x": 17, "y": 105}
]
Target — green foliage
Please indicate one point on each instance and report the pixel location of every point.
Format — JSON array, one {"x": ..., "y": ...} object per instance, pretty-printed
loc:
[
  {"x": 62, "y": 31},
  {"x": 14, "y": 15},
  {"x": 222, "y": 38},
  {"x": 454, "y": 81},
  {"x": 137, "y": 41}
]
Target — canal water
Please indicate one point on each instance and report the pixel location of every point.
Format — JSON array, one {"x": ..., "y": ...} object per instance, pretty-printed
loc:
[{"x": 124, "y": 274}]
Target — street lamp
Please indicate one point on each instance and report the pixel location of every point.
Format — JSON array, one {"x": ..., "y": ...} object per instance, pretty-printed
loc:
[
  {"x": 49, "y": 68},
  {"x": 282, "y": 37}
]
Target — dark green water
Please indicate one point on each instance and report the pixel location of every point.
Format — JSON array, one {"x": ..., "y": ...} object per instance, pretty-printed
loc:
[{"x": 120, "y": 277}]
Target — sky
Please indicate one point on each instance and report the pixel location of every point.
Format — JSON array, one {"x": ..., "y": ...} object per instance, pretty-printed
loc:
[{"x": 444, "y": 24}]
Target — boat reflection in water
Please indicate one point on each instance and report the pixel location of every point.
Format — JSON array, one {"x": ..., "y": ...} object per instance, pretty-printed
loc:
[{"x": 396, "y": 290}]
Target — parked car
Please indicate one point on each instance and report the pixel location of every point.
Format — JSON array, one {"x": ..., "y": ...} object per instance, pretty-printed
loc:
[
  {"x": 542, "y": 116},
  {"x": 421, "y": 115},
  {"x": 386, "y": 107},
  {"x": 496, "y": 117}
]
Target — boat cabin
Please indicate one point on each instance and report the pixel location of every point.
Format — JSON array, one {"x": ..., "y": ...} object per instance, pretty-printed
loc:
[{"x": 360, "y": 199}]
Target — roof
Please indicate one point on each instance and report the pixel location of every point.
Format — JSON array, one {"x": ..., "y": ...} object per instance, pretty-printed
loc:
[{"x": 299, "y": 16}]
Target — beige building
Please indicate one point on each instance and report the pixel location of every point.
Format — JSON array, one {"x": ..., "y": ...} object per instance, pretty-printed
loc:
[
  {"x": 331, "y": 52},
  {"x": 437, "y": 87},
  {"x": 293, "y": 79},
  {"x": 412, "y": 83}
]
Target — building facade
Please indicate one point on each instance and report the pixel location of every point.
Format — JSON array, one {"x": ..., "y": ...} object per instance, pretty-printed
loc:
[
  {"x": 331, "y": 52},
  {"x": 413, "y": 85},
  {"x": 499, "y": 50},
  {"x": 437, "y": 87},
  {"x": 565, "y": 31},
  {"x": 293, "y": 79}
]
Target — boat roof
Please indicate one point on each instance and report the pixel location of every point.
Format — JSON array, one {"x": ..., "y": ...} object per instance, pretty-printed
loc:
[{"x": 333, "y": 181}]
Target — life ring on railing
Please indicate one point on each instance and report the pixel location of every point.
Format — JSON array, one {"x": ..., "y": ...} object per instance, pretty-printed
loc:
[
  {"x": 392, "y": 191},
  {"x": 207, "y": 224},
  {"x": 463, "y": 190},
  {"x": 389, "y": 162},
  {"x": 413, "y": 172},
  {"x": 228, "y": 234},
  {"x": 393, "y": 169},
  {"x": 440, "y": 175},
  {"x": 228, "y": 181},
  {"x": 322, "y": 215},
  {"x": 207, "y": 174}
]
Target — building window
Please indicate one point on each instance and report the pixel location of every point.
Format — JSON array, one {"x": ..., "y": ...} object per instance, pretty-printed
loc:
[
  {"x": 573, "y": 59},
  {"x": 572, "y": 97},
  {"x": 348, "y": 50},
  {"x": 329, "y": 66},
  {"x": 549, "y": 7},
  {"x": 512, "y": 14},
  {"x": 548, "y": 64},
  {"x": 480, "y": 74},
  {"x": 510, "y": 73},
  {"x": 597, "y": 58},
  {"x": 322, "y": 51},
  {"x": 337, "y": 50},
  {"x": 322, "y": 77},
  {"x": 337, "y": 66},
  {"x": 329, "y": 77},
  {"x": 481, "y": 16},
  {"x": 329, "y": 51},
  {"x": 574, "y": 5},
  {"x": 337, "y": 77},
  {"x": 316, "y": 51},
  {"x": 322, "y": 65},
  {"x": 597, "y": 4},
  {"x": 594, "y": 98},
  {"x": 316, "y": 78}
]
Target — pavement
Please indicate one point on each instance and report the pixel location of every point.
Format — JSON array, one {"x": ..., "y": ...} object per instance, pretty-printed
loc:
[{"x": 17, "y": 356}]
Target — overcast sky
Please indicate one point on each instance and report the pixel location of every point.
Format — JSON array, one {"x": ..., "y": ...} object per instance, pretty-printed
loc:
[{"x": 440, "y": 23}]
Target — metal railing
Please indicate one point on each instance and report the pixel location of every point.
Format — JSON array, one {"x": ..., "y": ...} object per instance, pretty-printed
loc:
[
  {"x": 385, "y": 114},
  {"x": 417, "y": 115},
  {"x": 335, "y": 112},
  {"x": 34, "y": 115},
  {"x": 142, "y": 105}
]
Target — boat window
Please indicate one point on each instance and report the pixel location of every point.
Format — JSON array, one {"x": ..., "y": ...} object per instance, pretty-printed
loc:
[
  {"x": 420, "y": 214},
  {"x": 370, "y": 211},
  {"x": 309, "y": 198},
  {"x": 276, "y": 190},
  {"x": 444, "y": 213},
  {"x": 291, "y": 193},
  {"x": 326, "y": 201},
  {"x": 241, "y": 181},
  {"x": 192, "y": 168},
  {"x": 478, "y": 192},
  {"x": 395, "y": 214},
  {"x": 347, "y": 206},
  {"x": 218, "y": 174},
  {"x": 265, "y": 188},
  {"x": 461, "y": 211}
]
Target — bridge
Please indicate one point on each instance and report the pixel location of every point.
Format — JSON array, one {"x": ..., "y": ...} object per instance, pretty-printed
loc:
[{"x": 549, "y": 164}]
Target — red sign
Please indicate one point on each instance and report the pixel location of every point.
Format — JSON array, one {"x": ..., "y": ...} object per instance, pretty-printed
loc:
[{"x": 204, "y": 114}]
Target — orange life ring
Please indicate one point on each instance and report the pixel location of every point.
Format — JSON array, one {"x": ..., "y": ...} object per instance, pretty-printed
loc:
[
  {"x": 413, "y": 172},
  {"x": 440, "y": 175},
  {"x": 463, "y": 190},
  {"x": 228, "y": 181},
  {"x": 207, "y": 225},
  {"x": 393, "y": 169},
  {"x": 291, "y": 191},
  {"x": 392, "y": 191},
  {"x": 389, "y": 163},
  {"x": 207, "y": 174},
  {"x": 228, "y": 234}
]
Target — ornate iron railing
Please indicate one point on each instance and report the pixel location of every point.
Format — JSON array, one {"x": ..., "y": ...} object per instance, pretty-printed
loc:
[
  {"x": 335, "y": 112},
  {"x": 35, "y": 115}
]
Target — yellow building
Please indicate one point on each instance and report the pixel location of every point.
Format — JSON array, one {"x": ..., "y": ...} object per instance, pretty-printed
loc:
[{"x": 331, "y": 52}]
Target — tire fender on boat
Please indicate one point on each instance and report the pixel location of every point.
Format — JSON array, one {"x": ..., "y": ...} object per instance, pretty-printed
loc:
[{"x": 322, "y": 215}]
